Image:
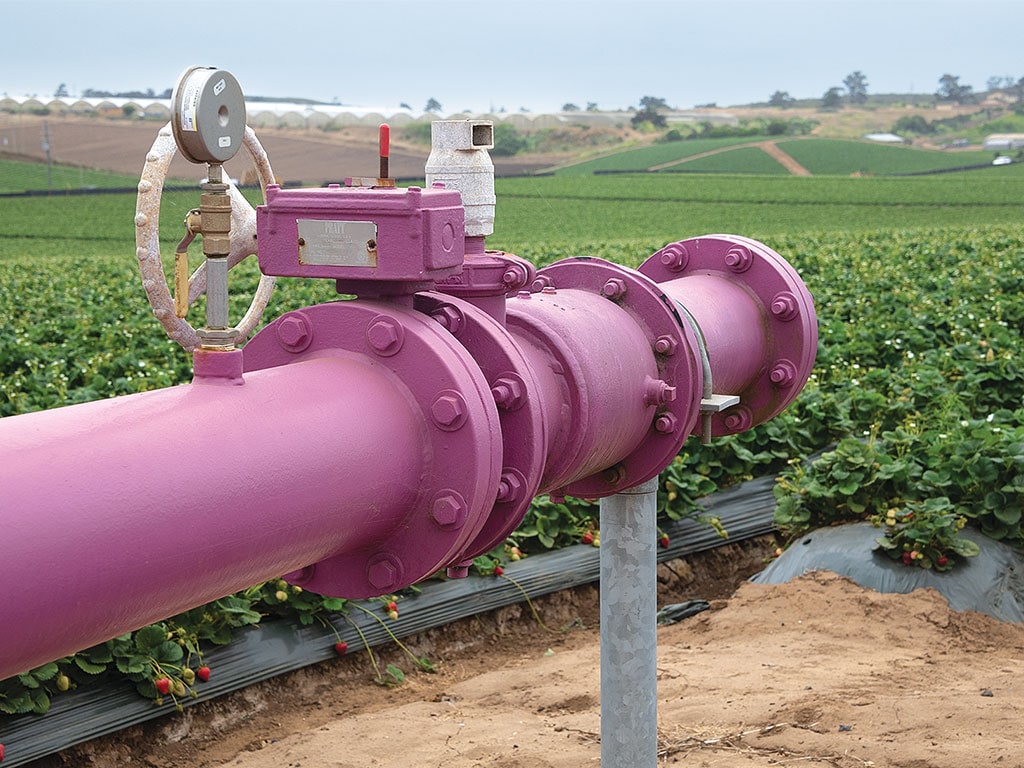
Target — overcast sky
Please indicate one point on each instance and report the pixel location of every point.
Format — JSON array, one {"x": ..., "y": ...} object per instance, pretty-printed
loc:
[{"x": 484, "y": 55}]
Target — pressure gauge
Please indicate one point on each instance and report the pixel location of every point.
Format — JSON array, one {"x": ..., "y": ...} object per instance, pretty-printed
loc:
[{"x": 208, "y": 115}]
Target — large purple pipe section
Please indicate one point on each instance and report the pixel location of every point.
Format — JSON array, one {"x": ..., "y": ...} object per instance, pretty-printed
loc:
[
  {"x": 360, "y": 446},
  {"x": 119, "y": 513}
]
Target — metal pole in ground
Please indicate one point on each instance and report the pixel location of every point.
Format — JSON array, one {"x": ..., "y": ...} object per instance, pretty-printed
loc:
[{"x": 629, "y": 702}]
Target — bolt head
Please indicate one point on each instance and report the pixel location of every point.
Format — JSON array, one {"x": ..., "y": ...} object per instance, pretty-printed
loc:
[
  {"x": 382, "y": 574},
  {"x": 293, "y": 331},
  {"x": 450, "y": 318},
  {"x": 739, "y": 258},
  {"x": 449, "y": 512},
  {"x": 615, "y": 288},
  {"x": 511, "y": 487},
  {"x": 674, "y": 257},
  {"x": 449, "y": 411},
  {"x": 784, "y": 306},
  {"x": 666, "y": 345},
  {"x": 783, "y": 374},
  {"x": 384, "y": 336},
  {"x": 509, "y": 392},
  {"x": 666, "y": 424}
]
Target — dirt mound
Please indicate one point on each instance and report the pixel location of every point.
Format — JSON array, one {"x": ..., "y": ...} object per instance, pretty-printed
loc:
[{"x": 817, "y": 671}]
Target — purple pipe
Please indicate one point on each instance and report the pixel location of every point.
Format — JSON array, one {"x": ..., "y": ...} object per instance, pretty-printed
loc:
[{"x": 122, "y": 512}]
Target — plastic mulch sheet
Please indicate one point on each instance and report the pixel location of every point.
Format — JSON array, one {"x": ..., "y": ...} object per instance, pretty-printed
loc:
[{"x": 991, "y": 582}]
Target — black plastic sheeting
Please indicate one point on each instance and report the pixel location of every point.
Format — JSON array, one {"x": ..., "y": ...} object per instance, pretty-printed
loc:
[
  {"x": 276, "y": 647},
  {"x": 991, "y": 582}
]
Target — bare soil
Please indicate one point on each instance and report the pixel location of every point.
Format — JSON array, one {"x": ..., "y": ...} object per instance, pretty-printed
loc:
[
  {"x": 816, "y": 672},
  {"x": 311, "y": 156},
  {"x": 308, "y": 157}
]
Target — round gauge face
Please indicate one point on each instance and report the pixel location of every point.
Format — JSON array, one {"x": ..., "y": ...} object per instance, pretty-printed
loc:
[{"x": 208, "y": 115}]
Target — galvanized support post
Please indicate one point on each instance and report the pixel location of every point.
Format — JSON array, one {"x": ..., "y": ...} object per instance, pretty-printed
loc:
[{"x": 629, "y": 702}]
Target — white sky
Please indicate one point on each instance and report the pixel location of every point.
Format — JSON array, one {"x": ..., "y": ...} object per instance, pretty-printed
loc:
[{"x": 484, "y": 55}]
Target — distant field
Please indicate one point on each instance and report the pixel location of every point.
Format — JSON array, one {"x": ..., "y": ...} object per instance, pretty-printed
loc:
[
  {"x": 19, "y": 176},
  {"x": 654, "y": 208},
  {"x": 642, "y": 158},
  {"x": 838, "y": 157}
]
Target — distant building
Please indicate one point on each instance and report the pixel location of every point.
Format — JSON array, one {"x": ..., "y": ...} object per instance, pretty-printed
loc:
[
  {"x": 998, "y": 141},
  {"x": 886, "y": 138}
]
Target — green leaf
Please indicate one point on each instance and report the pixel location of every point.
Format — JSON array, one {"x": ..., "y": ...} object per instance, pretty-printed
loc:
[
  {"x": 45, "y": 672},
  {"x": 965, "y": 547},
  {"x": 40, "y": 702},
  {"x": 148, "y": 638},
  {"x": 88, "y": 667}
]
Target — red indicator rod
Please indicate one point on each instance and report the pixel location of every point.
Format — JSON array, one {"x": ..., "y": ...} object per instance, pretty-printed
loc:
[{"x": 385, "y": 150}]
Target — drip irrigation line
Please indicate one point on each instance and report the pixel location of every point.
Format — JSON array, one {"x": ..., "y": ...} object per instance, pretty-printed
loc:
[{"x": 279, "y": 646}]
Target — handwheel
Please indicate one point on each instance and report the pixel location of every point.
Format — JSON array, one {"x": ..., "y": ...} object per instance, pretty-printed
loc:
[{"x": 147, "y": 239}]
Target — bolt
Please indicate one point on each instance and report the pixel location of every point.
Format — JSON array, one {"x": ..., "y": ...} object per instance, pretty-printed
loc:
[
  {"x": 739, "y": 419},
  {"x": 666, "y": 345},
  {"x": 508, "y": 392},
  {"x": 615, "y": 288},
  {"x": 457, "y": 571},
  {"x": 739, "y": 259},
  {"x": 666, "y": 423},
  {"x": 384, "y": 335},
  {"x": 382, "y": 572},
  {"x": 783, "y": 374},
  {"x": 449, "y": 411},
  {"x": 674, "y": 257},
  {"x": 614, "y": 475},
  {"x": 515, "y": 277},
  {"x": 658, "y": 392},
  {"x": 449, "y": 511},
  {"x": 784, "y": 306},
  {"x": 541, "y": 282},
  {"x": 450, "y": 318},
  {"x": 510, "y": 487},
  {"x": 293, "y": 332},
  {"x": 524, "y": 294}
]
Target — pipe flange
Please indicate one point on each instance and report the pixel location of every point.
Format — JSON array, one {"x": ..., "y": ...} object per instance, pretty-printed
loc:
[
  {"x": 459, "y": 438},
  {"x": 785, "y": 305},
  {"x": 517, "y": 395},
  {"x": 673, "y": 398}
]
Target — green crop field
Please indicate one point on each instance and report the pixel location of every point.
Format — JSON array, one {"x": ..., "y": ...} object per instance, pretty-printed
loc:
[
  {"x": 18, "y": 176},
  {"x": 918, "y": 384},
  {"x": 842, "y": 158},
  {"x": 836, "y": 157}
]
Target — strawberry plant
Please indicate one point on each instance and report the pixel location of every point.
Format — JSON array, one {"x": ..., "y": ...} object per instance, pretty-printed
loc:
[{"x": 924, "y": 534}]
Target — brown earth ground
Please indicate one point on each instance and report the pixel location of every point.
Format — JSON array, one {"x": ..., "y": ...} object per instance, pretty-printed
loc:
[
  {"x": 816, "y": 672},
  {"x": 314, "y": 156}
]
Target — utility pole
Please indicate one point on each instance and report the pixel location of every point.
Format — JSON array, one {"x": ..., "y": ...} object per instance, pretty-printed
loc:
[{"x": 46, "y": 149}]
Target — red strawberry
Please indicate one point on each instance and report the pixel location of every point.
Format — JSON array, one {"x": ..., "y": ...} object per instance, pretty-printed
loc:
[
  {"x": 1, "y": 751},
  {"x": 163, "y": 685},
  {"x": 942, "y": 561},
  {"x": 498, "y": 570},
  {"x": 341, "y": 647},
  {"x": 392, "y": 606},
  {"x": 588, "y": 537},
  {"x": 664, "y": 541},
  {"x": 907, "y": 558},
  {"x": 203, "y": 673}
]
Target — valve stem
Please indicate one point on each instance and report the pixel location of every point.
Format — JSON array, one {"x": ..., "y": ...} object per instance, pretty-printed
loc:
[{"x": 215, "y": 214}]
